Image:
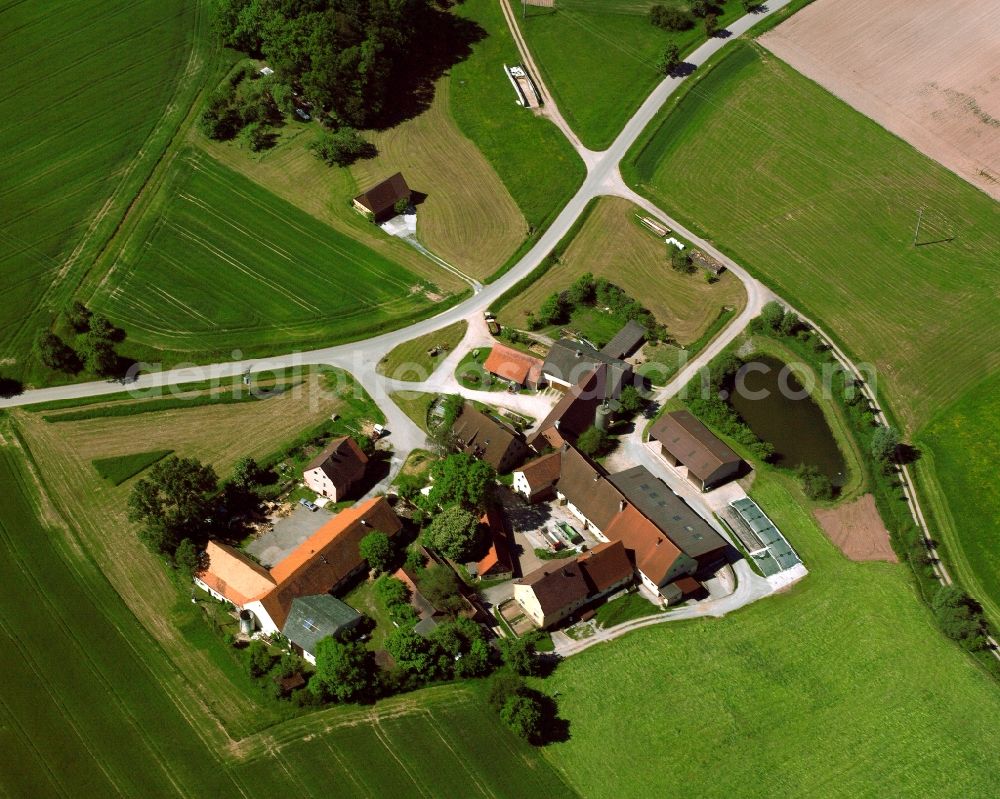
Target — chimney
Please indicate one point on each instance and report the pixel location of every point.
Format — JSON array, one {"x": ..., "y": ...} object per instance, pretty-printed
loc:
[
  {"x": 621, "y": 505},
  {"x": 555, "y": 424},
  {"x": 365, "y": 523},
  {"x": 579, "y": 353}
]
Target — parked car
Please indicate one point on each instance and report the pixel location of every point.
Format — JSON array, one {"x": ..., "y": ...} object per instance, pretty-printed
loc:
[{"x": 305, "y": 503}]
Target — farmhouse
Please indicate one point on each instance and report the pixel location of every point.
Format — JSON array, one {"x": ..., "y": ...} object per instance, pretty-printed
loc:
[
  {"x": 337, "y": 469},
  {"x": 685, "y": 441},
  {"x": 568, "y": 362},
  {"x": 313, "y": 618},
  {"x": 319, "y": 565},
  {"x": 380, "y": 200},
  {"x": 555, "y": 591},
  {"x": 517, "y": 367},
  {"x": 485, "y": 438}
]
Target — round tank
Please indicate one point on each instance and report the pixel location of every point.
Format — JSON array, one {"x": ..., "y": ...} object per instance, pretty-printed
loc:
[
  {"x": 246, "y": 622},
  {"x": 602, "y": 421}
]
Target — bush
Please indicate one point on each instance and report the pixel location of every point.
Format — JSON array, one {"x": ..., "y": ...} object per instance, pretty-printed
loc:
[
  {"x": 592, "y": 441},
  {"x": 815, "y": 484},
  {"x": 342, "y": 147},
  {"x": 772, "y": 314},
  {"x": 670, "y": 19},
  {"x": 680, "y": 260}
]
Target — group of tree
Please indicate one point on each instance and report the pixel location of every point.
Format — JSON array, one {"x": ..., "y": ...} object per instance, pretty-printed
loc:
[
  {"x": 884, "y": 446},
  {"x": 815, "y": 484},
  {"x": 454, "y": 532},
  {"x": 588, "y": 291},
  {"x": 263, "y": 665},
  {"x": 960, "y": 617},
  {"x": 680, "y": 260},
  {"x": 342, "y": 147},
  {"x": 669, "y": 59},
  {"x": 670, "y": 19},
  {"x": 94, "y": 346},
  {"x": 460, "y": 480},
  {"x": 345, "y": 56},
  {"x": 527, "y": 712}
]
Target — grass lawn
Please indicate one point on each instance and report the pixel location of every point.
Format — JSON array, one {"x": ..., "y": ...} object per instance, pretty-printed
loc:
[
  {"x": 614, "y": 245},
  {"x": 631, "y": 606},
  {"x": 535, "y": 162},
  {"x": 957, "y": 473},
  {"x": 415, "y": 404},
  {"x": 411, "y": 361},
  {"x": 663, "y": 361},
  {"x": 840, "y": 687},
  {"x": 118, "y": 469},
  {"x": 470, "y": 373},
  {"x": 599, "y": 57},
  {"x": 821, "y": 203},
  {"x": 92, "y": 96},
  {"x": 225, "y": 264},
  {"x": 468, "y": 217}
]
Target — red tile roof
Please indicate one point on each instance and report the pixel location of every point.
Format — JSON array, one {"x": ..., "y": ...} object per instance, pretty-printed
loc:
[
  {"x": 654, "y": 553},
  {"x": 513, "y": 365}
]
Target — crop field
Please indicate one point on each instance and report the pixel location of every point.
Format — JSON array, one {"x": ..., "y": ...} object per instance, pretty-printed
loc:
[
  {"x": 840, "y": 687},
  {"x": 533, "y": 159},
  {"x": 83, "y": 676},
  {"x": 411, "y": 361},
  {"x": 91, "y": 95},
  {"x": 959, "y": 451},
  {"x": 822, "y": 204},
  {"x": 932, "y": 80},
  {"x": 613, "y": 245},
  {"x": 468, "y": 217},
  {"x": 225, "y": 265},
  {"x": 599, "y": 57},
  {"x": 118, "y": 469}
]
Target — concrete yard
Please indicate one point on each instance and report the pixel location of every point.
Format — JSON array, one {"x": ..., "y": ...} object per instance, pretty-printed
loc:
[{"x": 288, "y": 532}]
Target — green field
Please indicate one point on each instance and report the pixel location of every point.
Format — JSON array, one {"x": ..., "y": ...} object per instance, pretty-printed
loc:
[
  {"x": 598, "y": 58},
  {"x": 225, "y": 264},
  {"x": 821, "y": 203},
  {"x": 118, "y": 469},
  {"x": 411, "y": 361},
  {"x": 840, "y": 687},
  {"x": 535, "y": 162},
  {"x": 82, "y": 677},
  {"x": 92, "y": 94},
  {"x": 959, "y": 452}
]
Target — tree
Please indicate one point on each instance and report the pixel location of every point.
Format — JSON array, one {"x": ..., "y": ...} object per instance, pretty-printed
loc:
[
  {"x": 402, "y": 205},
  {"x": 789, "y": 324},
  {"x": 711, "y": 25},
  {"x": 78, "y": 316},
  {"x": 772, "y": 314},
  {"x": 453, "y": 533},
  {"x": 258, "y": 658},
  {"x": 10, "y": 387},
  {"x": 246, "y": 473},
  {"x": 187, "y": 560},
  {"x": 592, "y": 441},
  {"x": 376, "y": 550},
  {"x": 669, "y": 60},
  {"x": 342, "y": 147},
  {"x": 581, "y": 292},
  {"x": 173, "y": 502},
  {"x": 257, "y": 136},
  {"x": 680, "y": 260},
  {"x": 412, "y": 653},
  {"x": 523, "y": 714},
  {"x": 885, "y": 443},
  {"x": 670, "y": 19},
  {"x": 750, "y": 5},
  {"x": 440, "y": 585},
  {"x": 631, "y": 400},
  {"x": 553, "y": 309},
  {"x": 57, "y": 354},
  {"x": 460, "y": 479},
  {"x": 504, "y": 685},
  {"x": 99, "y": 346},
  {"x": 702, "y": 8},
  {"x": 959, "y": 616},
  {"x": 345, "y": 670},
  {"x": 815, "y": 484},
  {"x": 519, "y": 654}
]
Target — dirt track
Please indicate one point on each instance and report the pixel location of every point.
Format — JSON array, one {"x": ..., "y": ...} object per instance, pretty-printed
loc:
[
  {"x": 857, "y": 530},
  {"x": 927, "y": 70}
]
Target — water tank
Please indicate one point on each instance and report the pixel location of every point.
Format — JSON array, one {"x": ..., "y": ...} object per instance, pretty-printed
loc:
[
  {"x": 246, "y": 622},
  {"x": 602, "y": 420}
]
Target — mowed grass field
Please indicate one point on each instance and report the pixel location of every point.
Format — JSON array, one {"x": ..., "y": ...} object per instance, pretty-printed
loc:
[
  {"x": 959, "y": 449},
  {"x": 468, "y": 217},
  {"x": 599, "y": 57},
  {"x": 533, "y": 159},
  {"x": 612, "y": 244},
  {"x": 411, "y": 361},
  {"x": 841, "y": 687},
  {"x": 92, "y": 93},
  {"x": 821, "y": 203},
  {"x": 223, "y": 264}
]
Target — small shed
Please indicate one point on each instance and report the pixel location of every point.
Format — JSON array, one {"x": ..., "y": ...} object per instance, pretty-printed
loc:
[{"x": 380, "y": 200}]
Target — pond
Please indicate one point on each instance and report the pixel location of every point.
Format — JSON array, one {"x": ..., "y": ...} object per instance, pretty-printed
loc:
[{"x": 775, "y": 405}]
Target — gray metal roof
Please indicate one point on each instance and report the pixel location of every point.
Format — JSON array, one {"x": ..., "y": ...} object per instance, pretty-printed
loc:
[
  {"x": 570, "y": 360},
  {"x": 314, "y": 617},
  {"x": 653, "y": 499},
  {"x": 626, "y": 340}
]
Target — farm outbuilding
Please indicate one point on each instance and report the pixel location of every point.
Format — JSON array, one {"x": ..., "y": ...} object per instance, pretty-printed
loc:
[
  {"x": 685, "y": 441},
  {"x": 380, "y": 200}
]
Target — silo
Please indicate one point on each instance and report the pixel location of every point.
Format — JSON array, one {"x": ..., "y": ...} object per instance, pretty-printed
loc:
[
  {"x": 246, "y": 622},
  {"x": 602, "y": 420}
]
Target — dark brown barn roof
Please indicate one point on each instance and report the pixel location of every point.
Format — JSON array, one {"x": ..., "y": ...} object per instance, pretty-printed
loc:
[
  {"x": 483, "y": 437},
  {"x": 605, "y": 565},
  {"x": 576, "y": 410},
  {"x": 342, "y": 461},
  {"x": 381, "y": 198},
  {"x": 542, "y": 472},
  {"x": 687, "y": 439},
  {"x": 585, "y": 484}
]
